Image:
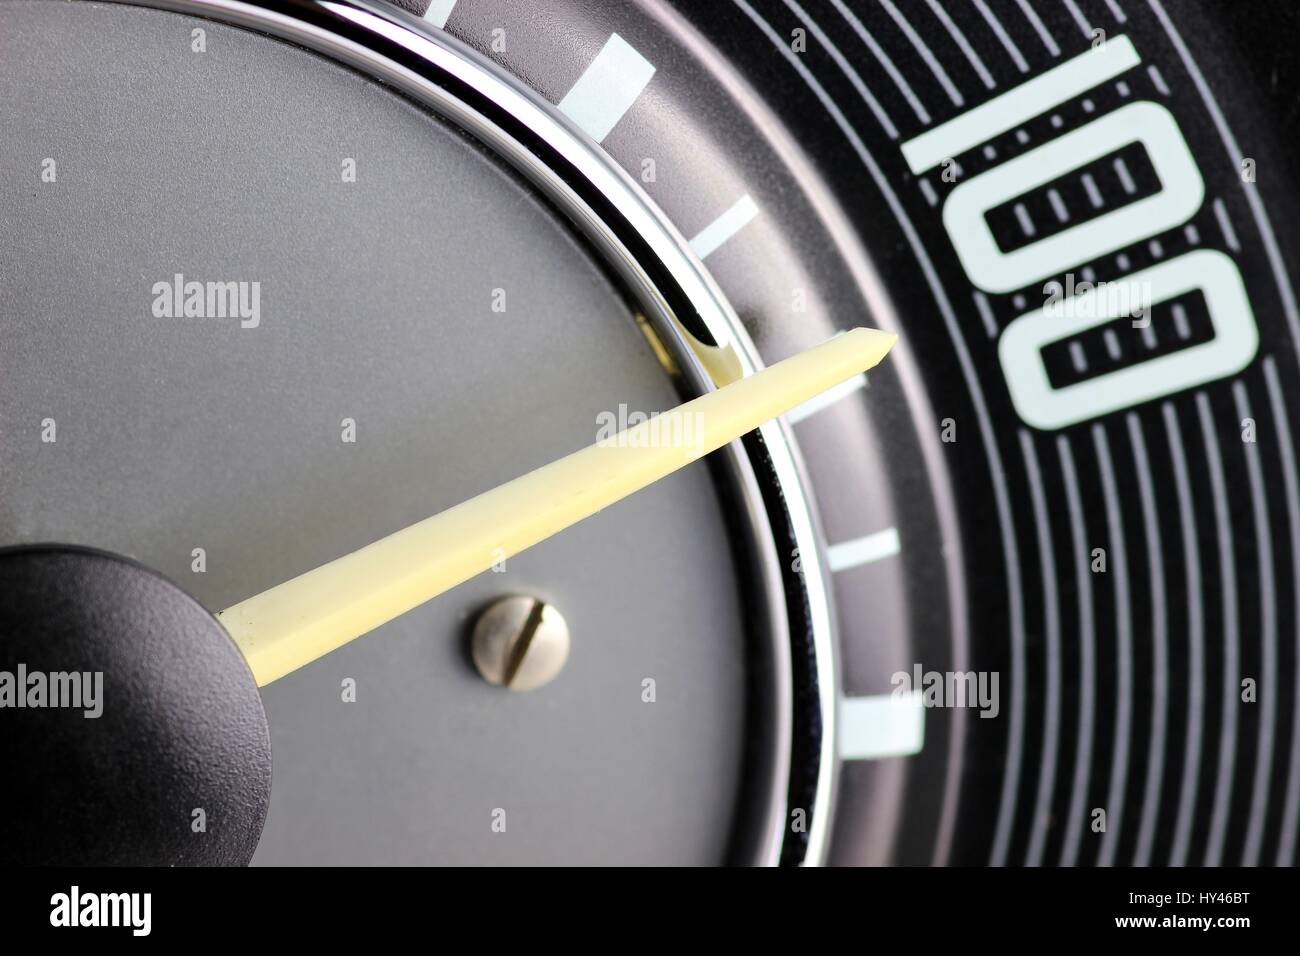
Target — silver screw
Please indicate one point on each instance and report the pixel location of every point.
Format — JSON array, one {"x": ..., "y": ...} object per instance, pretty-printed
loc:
[{"x": 520, "y": 642}]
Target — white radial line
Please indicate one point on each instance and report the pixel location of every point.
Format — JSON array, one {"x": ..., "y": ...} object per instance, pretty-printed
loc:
[
  {"x": 986, "y": 314},
  {"x": 1149, "y": 336},
  {"x": 1233, "y": 150},
  {"x": 1021, "y": 103},
  {"x": 438, "y": 12},
  {"x": 884, "y": 60},
  {"x": 962, "y": 44},
  {"x": 865, "y": 550},
  {"x": 1078, "y": 16},
  {"x": 826, "y": 399},
  {"x": 1026, "y": 223},
  {"x": 1117, "y": 11},
  {"x": 1125, "y": 177},
  {"x": 1094, "y": 194},
  {"x": 1195, "y": 643},
  {"x": 1058, "y": 206},
  {"x": 1291, "y": 482},
  {"x": 998, "y": 478},
  {"x": 1041, "y": 821},
  {"x": 1004, "y": 38},
  {"x": 1159, "y": 646},
  {"x": 1231, "y": 656},
  {"x": 1124, "y": 653},
  {"x": 1074, "y": 818},
  {"x": 1268, "y": 640},
  {"x": 926, "y": 54},
  {"x": 881, "y": 725},
  {"x": 1037, "y": 23},
  {"x": 1112, "y": 345},
  {"x": 1158, "y": 80},
  {"x": 607, "y": 88},
  {"x": 1225, "y": 224},
  {"x": 1078, "y": 358},
  {"x": 868, "y": 97},
  {"x": 712, "y": 236}
]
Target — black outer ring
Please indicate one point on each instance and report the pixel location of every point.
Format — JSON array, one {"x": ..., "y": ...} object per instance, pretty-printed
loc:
[{"x": 1024, "y": 813}]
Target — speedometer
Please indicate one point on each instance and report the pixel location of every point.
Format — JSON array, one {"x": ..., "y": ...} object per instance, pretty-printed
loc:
[{"x": 280, "y": 280}]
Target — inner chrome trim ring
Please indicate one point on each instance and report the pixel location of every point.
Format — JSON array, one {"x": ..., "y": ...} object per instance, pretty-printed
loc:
[{"x": 676, "y": 292}]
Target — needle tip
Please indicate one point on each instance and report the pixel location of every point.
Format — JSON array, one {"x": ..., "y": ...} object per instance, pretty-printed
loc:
[{"x": 875, "y": 343}]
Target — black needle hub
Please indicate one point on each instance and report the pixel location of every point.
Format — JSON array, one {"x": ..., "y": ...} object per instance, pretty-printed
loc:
[{"x": 131, "y": 730}]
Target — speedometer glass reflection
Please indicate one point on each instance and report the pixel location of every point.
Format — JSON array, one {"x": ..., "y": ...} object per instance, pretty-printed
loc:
[{"x": 278, "y": 282}]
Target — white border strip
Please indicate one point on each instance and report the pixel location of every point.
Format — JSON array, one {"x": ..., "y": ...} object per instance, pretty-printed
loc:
[
  {"x": 607, "y": 88},
  {"x": 826, "y": 399},
  {"x": 882, "y": 725},
  {"x": 439, "y": 11},
  {"x": 725, "y": 226},
  {"x": 866, "y": 550}
]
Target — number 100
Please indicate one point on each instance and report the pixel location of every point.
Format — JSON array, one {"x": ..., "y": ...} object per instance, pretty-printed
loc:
[{"x": 1181, "y": 194}]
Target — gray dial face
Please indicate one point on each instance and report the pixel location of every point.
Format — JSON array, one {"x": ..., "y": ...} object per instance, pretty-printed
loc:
[
  {"x": 424, "y": 328},
  {"x": 444, "y": 303}
]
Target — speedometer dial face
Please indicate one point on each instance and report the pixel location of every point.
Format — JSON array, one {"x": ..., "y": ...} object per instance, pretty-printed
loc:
[{"x": 280, "y": 280}]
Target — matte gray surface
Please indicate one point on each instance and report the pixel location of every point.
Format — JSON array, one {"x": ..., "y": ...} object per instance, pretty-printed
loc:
[{"x": 175, "y": 434}]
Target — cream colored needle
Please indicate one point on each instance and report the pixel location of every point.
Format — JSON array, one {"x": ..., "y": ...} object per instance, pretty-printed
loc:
[{"x": 302, "y": 619}]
